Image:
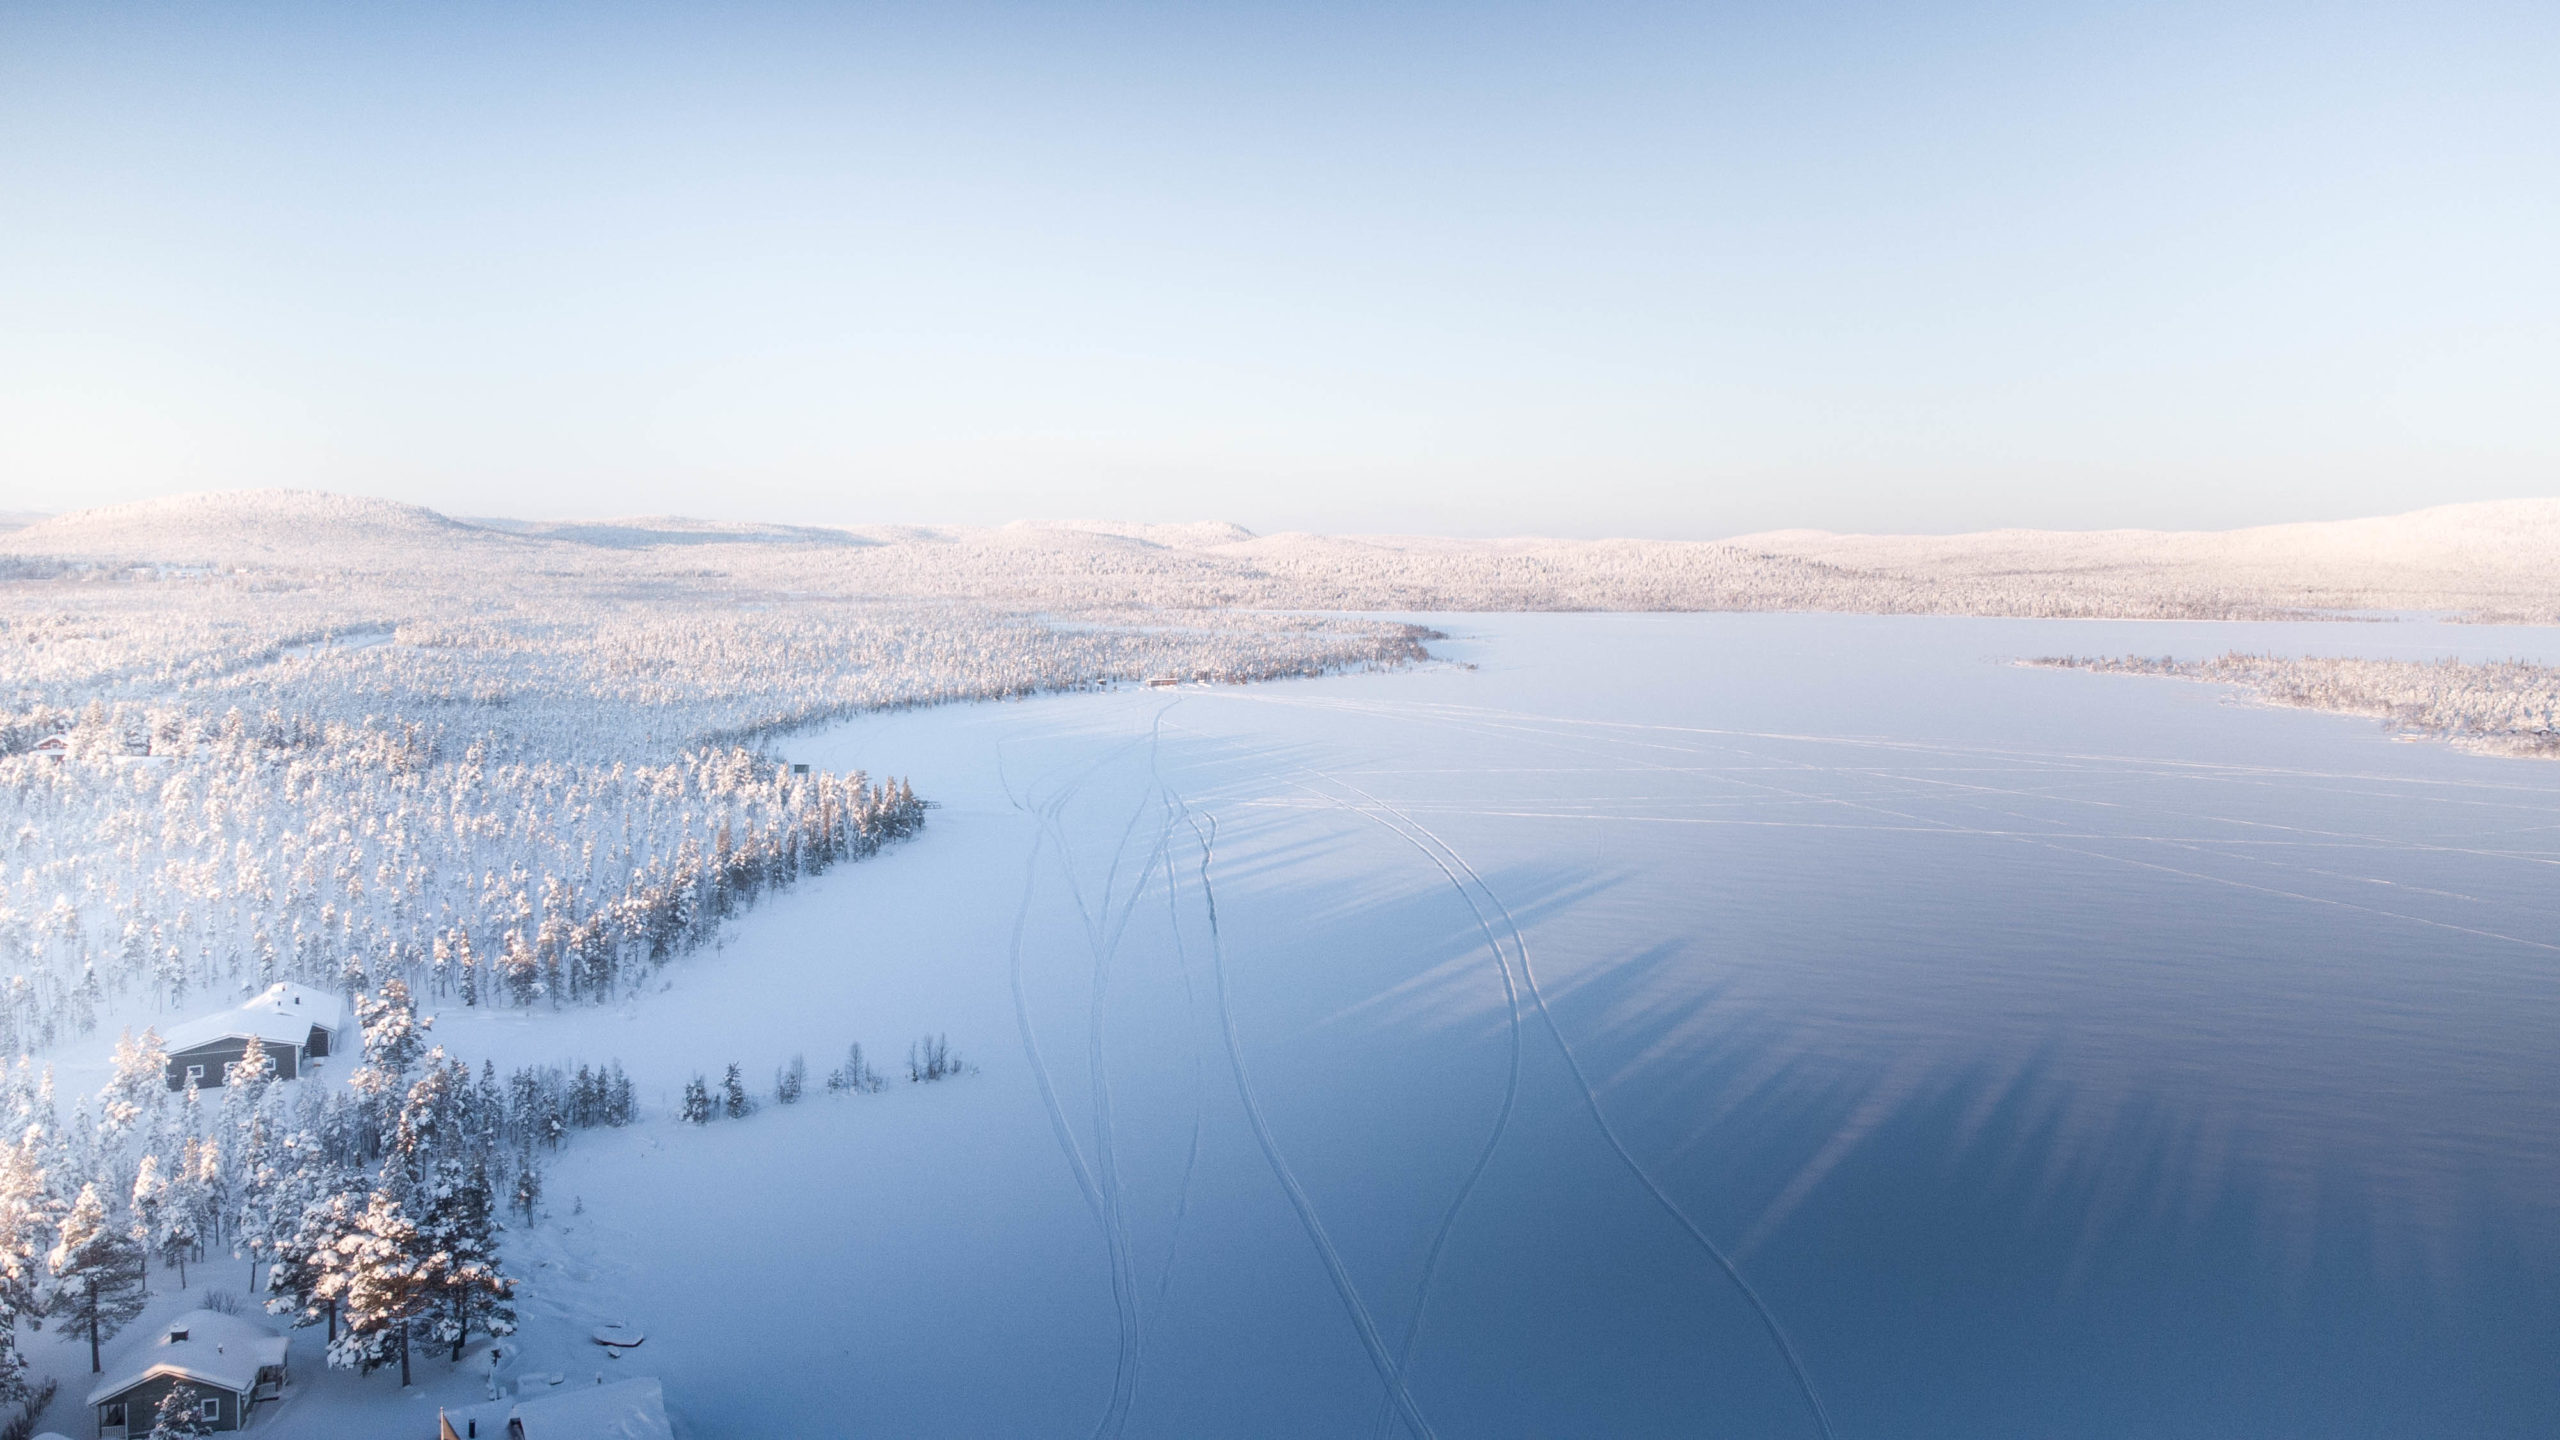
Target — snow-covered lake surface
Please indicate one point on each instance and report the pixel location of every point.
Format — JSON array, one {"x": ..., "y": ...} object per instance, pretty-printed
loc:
[{"x": 1670, "y": 1026}]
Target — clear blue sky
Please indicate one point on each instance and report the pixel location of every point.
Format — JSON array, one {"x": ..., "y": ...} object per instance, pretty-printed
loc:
[{"x": 1478, "y": 269}]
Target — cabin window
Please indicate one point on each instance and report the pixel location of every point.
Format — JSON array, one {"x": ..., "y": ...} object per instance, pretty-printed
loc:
[
  {"x": 177, "y": 1335},
  {"x": 112, "y": 1413},
  {"x": 211, "y": 1409},
  {"x": 195, "y": 1072}
]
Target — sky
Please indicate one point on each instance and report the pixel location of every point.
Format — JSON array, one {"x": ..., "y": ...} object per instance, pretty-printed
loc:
[{"x": 1650, "y": 270}]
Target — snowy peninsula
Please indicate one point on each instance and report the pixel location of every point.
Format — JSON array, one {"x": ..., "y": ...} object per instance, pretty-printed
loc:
[{"x": 2509, "y": 707}]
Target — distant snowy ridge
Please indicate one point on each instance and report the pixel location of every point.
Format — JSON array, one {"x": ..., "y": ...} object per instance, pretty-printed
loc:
[
  {"x": 246, "y": 526},
  {"x": 2496, "y": 560},
  {"x": 2498, "y": 557}
]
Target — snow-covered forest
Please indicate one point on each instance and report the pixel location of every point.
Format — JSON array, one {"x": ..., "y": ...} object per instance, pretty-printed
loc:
[
  {"x": 500, "y": 780},
  {"x": 418, "y": 764},
  {"x": 2509, "y": 707}
]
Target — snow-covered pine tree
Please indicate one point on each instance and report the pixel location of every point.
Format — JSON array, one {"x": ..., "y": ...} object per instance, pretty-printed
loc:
[
  {"x": 260, "y": 1188},
  {"x": 187, "y": 1205},
  {"x": 23, "y": 1226},
  {"x": 137, "y": 1090},
  {"x": 697, "y": 1101},
  {"x": 377, "y": 1275},
  {"x": 460, "y": 1233},
  {"x": 301, "y": 1250},
  {"x": 180, "y": 1415},
  {"x": 735, "y": 1102},
  {"x": 466, "y": 968},
  {"x": 528, "y": 1191},
  {"x": 622, "y": 1102},
  {"x": 586, "y": 1106},
  {"x": 246, "y": 1086},
  {"x": 520, "y": 968},
  {"x": 394, "y": 1039},
  {"x": 85, "y": 998},
  {"x": 488, "y": 1105},
  {"x": 95, "y": 1272},
  {"x": 427, "y": 1127},
  {"x": 150, "y": 1200}
]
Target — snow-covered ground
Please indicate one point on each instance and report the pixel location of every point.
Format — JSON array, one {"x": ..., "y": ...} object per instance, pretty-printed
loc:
[{"x": 1674, "y": 1024}]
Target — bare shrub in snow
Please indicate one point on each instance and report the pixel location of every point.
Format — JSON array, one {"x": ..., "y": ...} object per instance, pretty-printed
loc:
[
  {"x": 931, "y": 1059},
  {"x": 855, "y": 1076}
]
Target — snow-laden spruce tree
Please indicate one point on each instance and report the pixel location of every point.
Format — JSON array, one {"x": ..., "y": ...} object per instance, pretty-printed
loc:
[
  {"x": 24, "y": 1224},
  {"x": 136, "y": 1096},
  {"x": 149, "y": 1205},
  {"x": 245, "y": 1088},
  {"x": 394, "y": 1040},
  {"x": 302, "y": 1252},
  {"x": 94, "y": 1273},
  {"x": 459, "y": 1231},
  {"x": 180, "y": 1415},
  {"x": 528, "y": 1192},
  {"x": 203, "y": 1190},
  {"x": 377, "y": 1275},
  {"x": 268, "y": 1186},
  {"x": 170, "y": 1207},
  {"x": 697, "y": 1102}
]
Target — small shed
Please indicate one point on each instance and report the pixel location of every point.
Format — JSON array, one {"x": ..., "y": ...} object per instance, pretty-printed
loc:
[
  {"x": 226, "y": 1363},
  {"x": 634, "y": 1409},
  {"x": 53, "y": 747},
  {"x": 297, "y": 1025}
]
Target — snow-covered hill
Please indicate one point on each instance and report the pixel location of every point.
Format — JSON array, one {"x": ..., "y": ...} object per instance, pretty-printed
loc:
[
  {"x": 2499, "y": 555},
  {"x": 2500, "y": 559},
  {"x": 233, "y": 527}
]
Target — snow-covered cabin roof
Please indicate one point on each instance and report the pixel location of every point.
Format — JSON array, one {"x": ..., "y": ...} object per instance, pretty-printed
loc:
[
  {"x": 217, "y": 1349},
  {"x": 282, "y": 1014},
  {"x": 634, "y": 1409}
]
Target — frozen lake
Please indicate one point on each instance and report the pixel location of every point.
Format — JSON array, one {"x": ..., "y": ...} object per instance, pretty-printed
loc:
[{"x": 1674, "y": 1025}]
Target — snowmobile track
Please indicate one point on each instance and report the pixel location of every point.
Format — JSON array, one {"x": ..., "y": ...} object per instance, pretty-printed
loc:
[
  {"x": 1334, "y": 1267},
  {"x": 1591, "y": 1099},
  {"x": 1502, "y": 1118}
]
